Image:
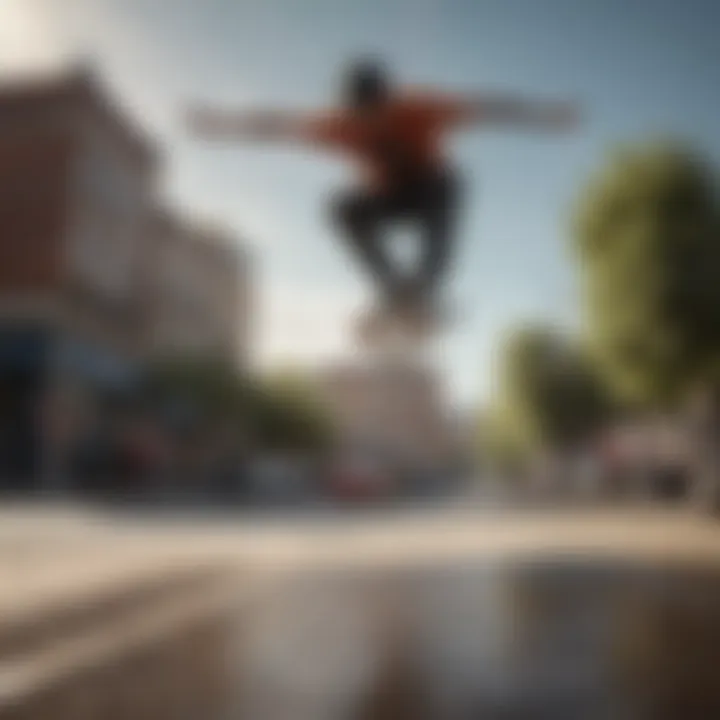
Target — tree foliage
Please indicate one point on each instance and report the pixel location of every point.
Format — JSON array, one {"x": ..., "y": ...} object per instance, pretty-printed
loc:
[
  {"x": 548, "y": 395},
  {"x": 290, "y": 414},
  {"x": 280, "y": 411},
  {"x": 205, "y": 389},
  {"x": 647, "y": 237},
  {"x": 502, "y": 446}
]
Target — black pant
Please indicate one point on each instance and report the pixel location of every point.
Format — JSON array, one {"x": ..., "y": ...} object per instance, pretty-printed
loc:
[{"x": 430, "y": 202}]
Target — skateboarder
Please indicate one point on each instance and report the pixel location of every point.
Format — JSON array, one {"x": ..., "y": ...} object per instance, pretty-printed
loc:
[{"x": 395, "y": 135}]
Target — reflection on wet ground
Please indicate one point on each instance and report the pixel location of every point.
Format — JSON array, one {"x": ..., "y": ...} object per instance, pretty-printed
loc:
[
  {"x": 424, "y": 615},
  {"x": 565, "y": 638}
]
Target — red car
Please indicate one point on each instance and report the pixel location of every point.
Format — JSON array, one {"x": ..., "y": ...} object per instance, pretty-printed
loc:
[{"x": 360, "y": 480}]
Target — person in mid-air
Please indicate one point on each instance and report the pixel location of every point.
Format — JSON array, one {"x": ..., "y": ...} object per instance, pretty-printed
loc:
[{"x": 396, "y": 136}]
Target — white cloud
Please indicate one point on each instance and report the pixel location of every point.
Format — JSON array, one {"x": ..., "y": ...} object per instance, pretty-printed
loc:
[{"x": 28, "y": 38}]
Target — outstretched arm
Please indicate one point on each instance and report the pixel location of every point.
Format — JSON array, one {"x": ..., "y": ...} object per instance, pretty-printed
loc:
[
  {"x": 496, "y": 109},
  {"x": 209, "y": 124}
]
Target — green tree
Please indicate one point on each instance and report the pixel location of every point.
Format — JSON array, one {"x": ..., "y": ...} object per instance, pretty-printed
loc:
[
  {"x": 289, "y": 413},
  {"x": 280, "y": 411},
  {"x": 548, "y": 398},
  {"x": 647, "y": 237},
  {"x": 501, "y": 445},
  {"x": 203, "y": 389}
]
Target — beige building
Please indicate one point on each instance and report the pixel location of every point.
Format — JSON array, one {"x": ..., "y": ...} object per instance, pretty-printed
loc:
[
  {"x": 198, "y": 292},
  {"x": 395, "y": 408}
]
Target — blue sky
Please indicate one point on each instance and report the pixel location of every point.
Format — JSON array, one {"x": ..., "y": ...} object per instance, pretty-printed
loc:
[{"x": 640, "y": 68}]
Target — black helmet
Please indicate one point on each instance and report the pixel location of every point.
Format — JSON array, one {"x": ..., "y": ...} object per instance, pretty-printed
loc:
[{"x": 365, "y": 84}]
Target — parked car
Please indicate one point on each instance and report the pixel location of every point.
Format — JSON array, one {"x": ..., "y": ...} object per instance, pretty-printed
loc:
[
  {"x": 360, "y": 479},
  {"x": 276, "y": 479}
]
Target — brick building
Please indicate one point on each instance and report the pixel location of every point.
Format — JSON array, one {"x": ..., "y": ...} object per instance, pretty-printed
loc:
[
  {"x": 76, "y": 190},
  {"x": 198, "y": 292},
  {"x": 91, "y": 280}
]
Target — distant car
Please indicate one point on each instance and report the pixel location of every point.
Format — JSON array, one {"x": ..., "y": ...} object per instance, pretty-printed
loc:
[
  {"x": 670, "y": 481},
  {"x": 276, "y": 480},
  {"x": 359, "y": 480}
]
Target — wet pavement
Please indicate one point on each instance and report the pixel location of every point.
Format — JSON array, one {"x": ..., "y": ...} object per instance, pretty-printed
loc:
[
  {"x": 450, "y": 615},
  {"x": 560, "y": 638}
]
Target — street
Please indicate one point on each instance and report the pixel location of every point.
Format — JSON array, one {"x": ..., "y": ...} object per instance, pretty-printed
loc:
[{"x": 454, "y": 613}]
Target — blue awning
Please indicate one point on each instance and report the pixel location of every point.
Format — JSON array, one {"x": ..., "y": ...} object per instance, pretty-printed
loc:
[
  {"x": 98, "y": 365},
  {"x": 23, "y": 349}
]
